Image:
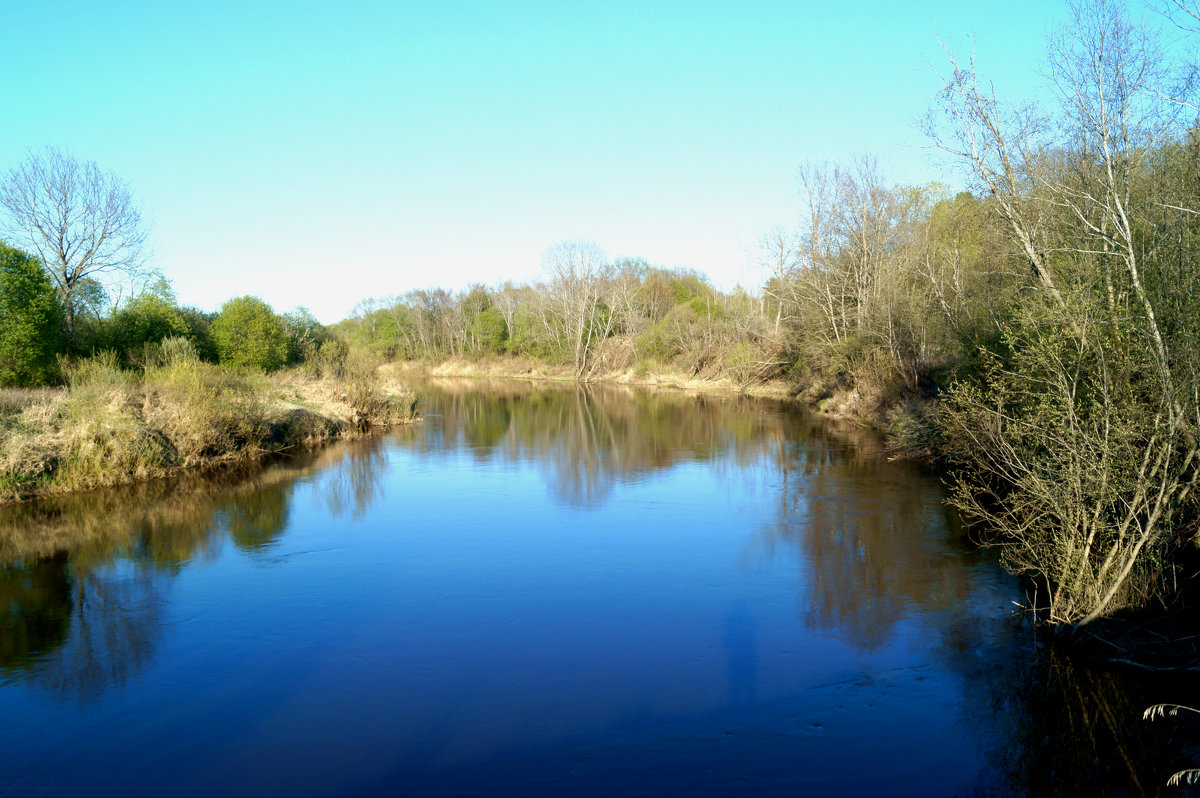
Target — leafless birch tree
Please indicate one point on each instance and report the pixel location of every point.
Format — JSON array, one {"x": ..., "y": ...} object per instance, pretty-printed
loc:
[
  {"x": 1083, "y": 449},
  {"x": 576, "y": 269},
  {"x": 82, "y": 222}
]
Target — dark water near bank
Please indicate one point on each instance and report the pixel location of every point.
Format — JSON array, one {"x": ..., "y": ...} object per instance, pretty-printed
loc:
[{"x": 546, "y": 590}]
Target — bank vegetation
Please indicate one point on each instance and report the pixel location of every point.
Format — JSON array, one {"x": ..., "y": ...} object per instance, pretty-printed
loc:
[
  {"x": 1037, "y": 332},
  {"x": 111, "y": 425}
]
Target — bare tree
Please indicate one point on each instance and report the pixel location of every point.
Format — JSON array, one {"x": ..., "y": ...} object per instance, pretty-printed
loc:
[
  {"x": 576, "y": 269},
  {"x": 1090, "y": 432},
  {"x": 81, "y": 221},
  {"x": 1004, "y": 149},
  {"x": 778, "y": 255}
]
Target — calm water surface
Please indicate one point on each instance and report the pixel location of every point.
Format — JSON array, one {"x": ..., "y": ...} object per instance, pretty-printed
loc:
[{"x": 543, "y": 590}]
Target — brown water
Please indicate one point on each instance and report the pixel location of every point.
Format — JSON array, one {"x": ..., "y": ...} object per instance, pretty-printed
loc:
[{"x": 546, "y": 590}]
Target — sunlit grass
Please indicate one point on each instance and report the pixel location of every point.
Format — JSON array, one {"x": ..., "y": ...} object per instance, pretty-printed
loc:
[{"x": 111, "y": 425}]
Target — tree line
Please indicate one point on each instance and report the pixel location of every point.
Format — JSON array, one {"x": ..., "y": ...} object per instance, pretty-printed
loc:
[
  {"x": 82, "y": 283},
  {"x": 1039, "y": 330},
  {"x": 591, "y": 314},
  {"x": 40, "y": 330}
]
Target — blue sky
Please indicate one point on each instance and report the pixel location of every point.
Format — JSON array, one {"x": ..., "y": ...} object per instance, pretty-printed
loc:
[{"x": 317, "y": 153}]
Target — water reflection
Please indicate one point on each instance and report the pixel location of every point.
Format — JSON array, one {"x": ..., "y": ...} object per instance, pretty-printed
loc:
[
  {"x": 872, "y": 538},
  {"x": 115, "y": 622},
  {"x": 84, "y": 578},
  {"x": 351, "y": 480},
  {"x": 1063, "y": 728},
  {"x": 35, "y": 610},
  {"x": 874, "y": 547},
  {"x": 590, "y": 438},
  {"x": 875, "y": 564}
]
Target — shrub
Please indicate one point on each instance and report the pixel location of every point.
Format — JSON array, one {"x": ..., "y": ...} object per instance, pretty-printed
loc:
[
  {"x": 168, "y": 352},
  {"x": 204, "y": 409},
  {"x": 330, "y": 359},
  {"x": 199, "y": 332},
  {"x": 491, "y": 331},
  {"x": 102, "y": 370},
  {"x": 146, "y": 320},
  {"x": 742, "y": 363},
  {"x": 248, "y": 334},
  {"x": 656, "y": 343},
  {"x": 304, "y": 334},
  {"x": 30, "y": 320}
]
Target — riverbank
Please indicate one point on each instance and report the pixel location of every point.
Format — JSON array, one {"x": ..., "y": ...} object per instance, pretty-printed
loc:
[
  {"x": 1154, "y": 636},
  {"x": 110, "y": 426},
  {"x": 529, "y": 369},
  {"x": 905, "y": 421}
]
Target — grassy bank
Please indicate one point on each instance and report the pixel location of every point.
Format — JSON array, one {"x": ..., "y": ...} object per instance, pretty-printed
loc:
[
  {"x": 906, "y": 419},
  {"x": 532, "y": 369},
  {"x": 110, "y": 426}
]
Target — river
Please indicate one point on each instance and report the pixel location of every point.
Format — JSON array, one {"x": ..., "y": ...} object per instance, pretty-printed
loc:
[{"x": 546, "y": 589}]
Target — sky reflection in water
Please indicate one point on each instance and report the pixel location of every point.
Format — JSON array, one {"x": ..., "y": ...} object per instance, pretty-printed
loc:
[{"x": 540, "y": 588}]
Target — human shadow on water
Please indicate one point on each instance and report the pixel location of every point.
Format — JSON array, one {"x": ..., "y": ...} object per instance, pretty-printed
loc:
[{"x": 741, "y": 656}]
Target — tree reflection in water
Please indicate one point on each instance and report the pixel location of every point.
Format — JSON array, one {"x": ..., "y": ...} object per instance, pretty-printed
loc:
[
  {"x": 873, "y": 538},
  {"x": 874, "y": 545},
  {"x": 588, "y": 438},
  {"x": 84, "y": 580},
  {"x": 350, "y": 478},
  {"x": 35, "y": 610},
  {"x": 1063, "y": 728},
  {"x": 116, "y": 619}
]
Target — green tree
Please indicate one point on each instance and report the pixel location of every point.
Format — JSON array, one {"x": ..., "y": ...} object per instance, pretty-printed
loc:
[
  {"x": 247, "y": 333},
  {"x": 199, "y": 326},
  {"x": 30, "y": 319},
  {"x": 490, "y": 331},
  {"x": 147, "y": 318},
  {"x": 304, "y": 333}
]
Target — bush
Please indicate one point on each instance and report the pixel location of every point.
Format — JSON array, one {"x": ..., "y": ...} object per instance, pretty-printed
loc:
[
  {"x": 199, "y": 332},
  {"x": 30, "y": 320},
  {"x": 643, "y": 367},
  {"x": 656, "y": 343},
  {"x": 491, "y": 332},
  {"x": 304, "y": 334},
  {"x": 144, "y": 321},
  {"x": 101, "y": 371},
  {"x": 99, "y": 425},
  {"x": 248, "y": 334},
  {"x": 330, "y": 359},
  {"x": 742, "y": 363},
  {"x": 168, "y": 352},
  {"x": 205, "y": 410}
]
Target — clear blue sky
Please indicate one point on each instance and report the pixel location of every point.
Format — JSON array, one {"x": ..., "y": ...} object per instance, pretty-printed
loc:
[{"x": 319, "y": 153}]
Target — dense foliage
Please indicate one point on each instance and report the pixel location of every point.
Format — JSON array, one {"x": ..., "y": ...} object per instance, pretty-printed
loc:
[
  {"x": 248, "y": 334},
  {"x": 30, "y": 320}
]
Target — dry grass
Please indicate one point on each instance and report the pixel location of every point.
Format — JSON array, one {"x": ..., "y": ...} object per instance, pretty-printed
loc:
[
  {"x": 15, "y": 400},
  {"x": 206, "y": 411},
  {"x": 111, "y": 426},
  {"x": 645, "y": 373}
]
